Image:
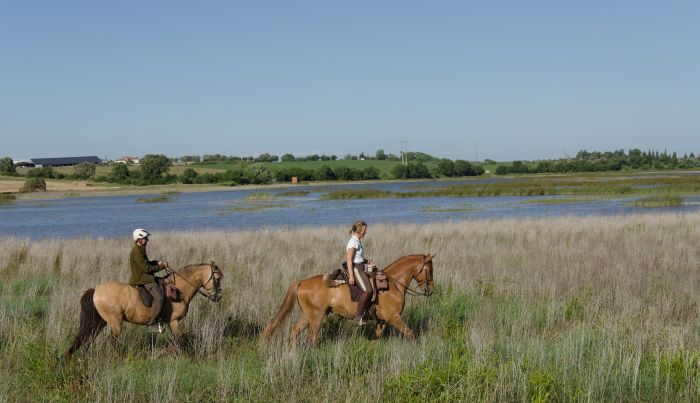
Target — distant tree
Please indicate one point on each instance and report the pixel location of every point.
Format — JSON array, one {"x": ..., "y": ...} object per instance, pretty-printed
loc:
[
  {"x": 379, "y": 155},
  {"x": 420, "y": 157},
  {"x": 267, "y": 158},
  {"x": 370, "y": 173},
  {"x": 7, "y": 167},
  {"x": 400, "y": 171},
  {"x": 33, "y": 185},
  {"x": 84, "y": 170},
  {"x": 414, "y": 170},
  {"x": 44, "y": 172},
  {"x": 188, "y": 176},
  {"x": 466, "y": 168},
  {"x": 325, "y": 173},
  {"x": 518, "y": 168},
  {"x": 334, "y": 157},
  {"x": 287, "y": 157},
  {"x": 153, "y": 166},
  {"x": 418, "y": 170},
  {"x": 446, "y": 167},
  {"x": 190, "y": 158},
  {"x": 120, "y": 173},
  {"x": 349, "y": 157},
  {"x": 343, "y": 173},
  {"x": 363, "y": 156},
  {"x": 258, "y": 174}
]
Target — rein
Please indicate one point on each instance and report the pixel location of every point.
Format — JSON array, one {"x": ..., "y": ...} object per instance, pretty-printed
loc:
[
  {"x": 408, "y": 289},
  {"x": 199, "y": 290}
]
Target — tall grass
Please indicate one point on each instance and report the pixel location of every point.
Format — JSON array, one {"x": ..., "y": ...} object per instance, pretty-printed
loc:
[{"x": 593, "y": 309}]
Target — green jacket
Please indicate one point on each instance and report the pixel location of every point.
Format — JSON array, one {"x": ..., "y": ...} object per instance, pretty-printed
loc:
[{"x": 142, "y": 269}]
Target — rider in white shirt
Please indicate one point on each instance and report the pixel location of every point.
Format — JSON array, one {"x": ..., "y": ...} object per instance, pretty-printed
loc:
[{"x": 357, "y": 267}]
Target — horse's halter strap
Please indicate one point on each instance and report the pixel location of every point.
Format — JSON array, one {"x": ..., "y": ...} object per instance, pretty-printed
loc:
[
  {"x": 411, "y": 291},
  {"x": 201, "y": 289}
]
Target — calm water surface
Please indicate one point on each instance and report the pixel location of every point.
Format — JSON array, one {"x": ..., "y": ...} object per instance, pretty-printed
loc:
[{"x": 116, "y": 216}]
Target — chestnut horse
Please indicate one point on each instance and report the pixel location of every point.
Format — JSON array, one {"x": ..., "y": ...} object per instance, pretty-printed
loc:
[
  {"x": 316, "y": 299},
  {"x": 111, "y": 303}
]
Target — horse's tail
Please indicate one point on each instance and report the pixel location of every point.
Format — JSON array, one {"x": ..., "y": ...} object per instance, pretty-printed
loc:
[
  {"x": 91, "y": 323},
  {"x": 282, "y": 312}
]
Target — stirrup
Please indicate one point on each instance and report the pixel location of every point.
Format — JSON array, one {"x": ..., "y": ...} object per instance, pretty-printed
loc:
[{"x": 158, "y": 327}]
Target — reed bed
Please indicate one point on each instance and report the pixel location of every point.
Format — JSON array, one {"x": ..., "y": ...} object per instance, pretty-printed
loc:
[
  {"x": 260, "y": 196},
  {"x": 659, "y": 201},
  {"x": 7, "y": 198},
  {"x": 671, "y": 183},
  {"x": 583, "y": 309},
  {"x": 155, "y": 199}
]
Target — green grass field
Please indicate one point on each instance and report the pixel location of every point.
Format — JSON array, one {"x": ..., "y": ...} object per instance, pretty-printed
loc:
[{"x": 565, "y": 309}]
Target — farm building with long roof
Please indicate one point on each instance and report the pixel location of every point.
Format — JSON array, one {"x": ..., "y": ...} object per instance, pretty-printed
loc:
[{"x": 64, "y": 161}]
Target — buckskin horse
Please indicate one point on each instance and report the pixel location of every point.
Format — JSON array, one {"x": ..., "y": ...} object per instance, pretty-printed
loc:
[
  {"x": 111, "y": 303},
  {"x": 316, "y": 299}
]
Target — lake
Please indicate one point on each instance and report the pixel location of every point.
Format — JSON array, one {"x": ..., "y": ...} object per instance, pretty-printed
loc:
[{"x": 116, "y": 216}]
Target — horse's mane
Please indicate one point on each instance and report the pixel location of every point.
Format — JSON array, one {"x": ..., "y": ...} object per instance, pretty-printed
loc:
[
  {"x": 190, "y": 268},
  {"x": 389, "y": 267}
]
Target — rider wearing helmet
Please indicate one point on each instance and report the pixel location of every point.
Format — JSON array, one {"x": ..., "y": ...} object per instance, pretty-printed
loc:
[{"x": 142, "y": 273}]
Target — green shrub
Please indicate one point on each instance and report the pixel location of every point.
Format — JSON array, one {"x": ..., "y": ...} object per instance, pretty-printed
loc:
[{"x": 34, "y": 184}]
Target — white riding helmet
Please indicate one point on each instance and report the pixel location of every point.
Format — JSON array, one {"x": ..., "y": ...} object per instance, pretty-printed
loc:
[{"x": 140, "y": 233}]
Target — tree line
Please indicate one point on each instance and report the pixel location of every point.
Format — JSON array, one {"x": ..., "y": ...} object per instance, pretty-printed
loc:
[
  {"x": 596, "y": 161},
  {"x": 154, "y": 168},
  {"x": 379, "y": 155}
]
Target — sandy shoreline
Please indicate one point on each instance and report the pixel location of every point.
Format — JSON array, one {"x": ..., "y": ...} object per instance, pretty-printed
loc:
[{"x": 59, "y": 188}]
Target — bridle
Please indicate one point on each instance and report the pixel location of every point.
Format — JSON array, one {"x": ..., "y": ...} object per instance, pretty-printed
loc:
[
  {"x": 424, "y": 284},
  {"x": 215, "y": 294}
]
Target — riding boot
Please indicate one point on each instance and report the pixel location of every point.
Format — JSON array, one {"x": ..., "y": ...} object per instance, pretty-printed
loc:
[
  {"x": 157, "y": 304},
  {"x": 361, "y": 306}
]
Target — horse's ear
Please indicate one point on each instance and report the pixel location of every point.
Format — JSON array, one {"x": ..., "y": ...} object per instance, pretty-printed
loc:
[
  {"x": 429, "y": 257},
  {"x": 211, "y": 263}
]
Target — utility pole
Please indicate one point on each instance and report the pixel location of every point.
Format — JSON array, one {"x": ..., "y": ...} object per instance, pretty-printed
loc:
[{"x": 404, "y": 153}]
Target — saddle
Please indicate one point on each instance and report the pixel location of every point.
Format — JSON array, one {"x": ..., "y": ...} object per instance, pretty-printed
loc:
[
  {"x": 377, "y": 279},
  {"x": 168, "y": 289}
]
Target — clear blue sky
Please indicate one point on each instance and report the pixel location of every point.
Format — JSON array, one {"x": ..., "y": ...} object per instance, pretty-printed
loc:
[{"x": 516, "y": 80}]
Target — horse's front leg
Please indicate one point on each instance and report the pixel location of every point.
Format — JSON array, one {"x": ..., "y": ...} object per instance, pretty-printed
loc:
[
  {"x": 175, "y": 337},
  {"x": 379, "y": 331},
  {"x": 402, "y": 327},
  {"x": 174, "y": 326}
]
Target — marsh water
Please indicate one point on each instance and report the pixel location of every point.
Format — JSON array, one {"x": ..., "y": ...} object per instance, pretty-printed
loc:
[{"x": 116, "y": 216}]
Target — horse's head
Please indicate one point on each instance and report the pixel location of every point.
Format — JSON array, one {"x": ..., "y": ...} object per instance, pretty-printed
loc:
[
  {"x": 424, "y": 275},
  {"x": 212, "y": 286}
]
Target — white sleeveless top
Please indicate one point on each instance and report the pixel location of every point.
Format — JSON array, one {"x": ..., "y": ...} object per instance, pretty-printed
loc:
[{"x": 354, "y": 242}]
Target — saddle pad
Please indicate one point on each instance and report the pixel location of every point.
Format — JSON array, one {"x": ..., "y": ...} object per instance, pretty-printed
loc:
[
  {"x": 355, "y": 292},
  {"x": 146, "y": 296}
]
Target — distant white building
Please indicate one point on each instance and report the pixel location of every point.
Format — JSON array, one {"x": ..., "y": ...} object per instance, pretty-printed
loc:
[
  {"x": 127, "y": 160},
  {"x": 22, "y": 163}
]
